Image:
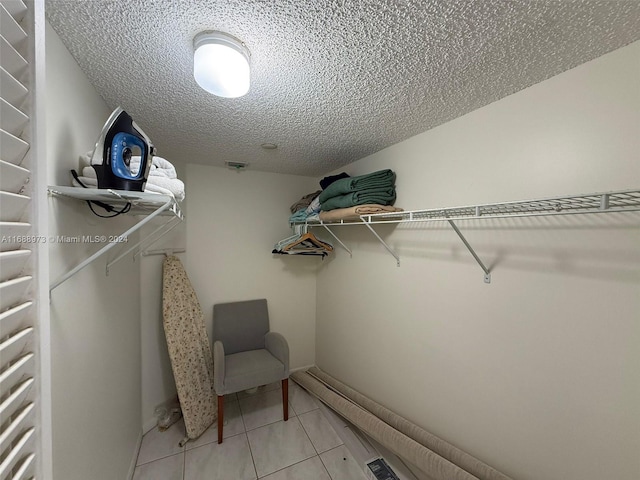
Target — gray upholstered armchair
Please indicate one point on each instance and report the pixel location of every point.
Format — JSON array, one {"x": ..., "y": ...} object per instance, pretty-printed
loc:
[{"x": 245, "y": 353}]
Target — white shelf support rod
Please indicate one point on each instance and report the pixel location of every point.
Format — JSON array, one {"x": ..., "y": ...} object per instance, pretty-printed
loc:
[
  {"x": 177, "y": 221},
  {"x": 487, "y": 273},
  {"x": 149, "y": 240},
  {"x": 382, "y": 241},
  {"x": 109, "y": 246},
  {"x": 337, "y": 239}
]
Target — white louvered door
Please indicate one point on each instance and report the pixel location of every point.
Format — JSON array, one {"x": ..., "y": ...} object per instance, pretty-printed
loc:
[{"x": 22, "y": 246}]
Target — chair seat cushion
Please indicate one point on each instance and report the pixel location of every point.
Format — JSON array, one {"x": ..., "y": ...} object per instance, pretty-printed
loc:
[{"x": 250, "y": 369}]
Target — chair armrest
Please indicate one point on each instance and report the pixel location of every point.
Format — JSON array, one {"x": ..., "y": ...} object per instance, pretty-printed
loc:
[
  {"x": 218, "y": 367},
  {"x": 277, "y": 346}
]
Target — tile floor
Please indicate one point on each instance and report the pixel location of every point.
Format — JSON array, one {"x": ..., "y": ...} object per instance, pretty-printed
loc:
[{"x": 257, "y": 444}]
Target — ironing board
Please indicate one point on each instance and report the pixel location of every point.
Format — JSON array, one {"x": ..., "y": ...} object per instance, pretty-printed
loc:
[{"x": 189, "y": 349}]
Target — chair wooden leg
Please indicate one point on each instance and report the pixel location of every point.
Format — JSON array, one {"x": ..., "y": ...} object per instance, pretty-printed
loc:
[
  {"x": 220, "y": 416},
  {"x": 285, "y": 398}
]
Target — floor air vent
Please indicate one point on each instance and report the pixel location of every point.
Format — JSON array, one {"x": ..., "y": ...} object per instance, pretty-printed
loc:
[{"x": 378, "y": 469}]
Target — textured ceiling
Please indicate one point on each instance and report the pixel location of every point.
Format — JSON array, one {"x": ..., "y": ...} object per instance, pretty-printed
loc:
[{"x": 332, "y": 80}]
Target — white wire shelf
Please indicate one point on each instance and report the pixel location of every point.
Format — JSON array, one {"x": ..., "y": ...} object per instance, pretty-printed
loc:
[
  {"x": 592, "y": 203},
  {"x": 622, "y": 201},
  {"x": 142, "y": 203},
  {"x": 145, "y": 204}
]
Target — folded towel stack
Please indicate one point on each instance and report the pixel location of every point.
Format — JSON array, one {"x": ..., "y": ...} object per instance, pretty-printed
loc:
[
  {"x": 162, "y": 176},
  {"x": 304, "y": 202},
  {"x": 373, "y": 188},
  {"x": 307, "y": 208}
]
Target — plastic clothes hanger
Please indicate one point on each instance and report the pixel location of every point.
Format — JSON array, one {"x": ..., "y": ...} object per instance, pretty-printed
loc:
[{"x": 286, "y": 241}]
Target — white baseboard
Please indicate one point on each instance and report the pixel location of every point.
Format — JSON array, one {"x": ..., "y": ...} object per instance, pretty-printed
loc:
[
  {"x": 149, "y": 425},
  {"x": 297, "y": 369},
  {"x": 134, "y": 459}
]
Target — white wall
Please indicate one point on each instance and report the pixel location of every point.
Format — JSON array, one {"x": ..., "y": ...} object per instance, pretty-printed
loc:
[
  {"x": 233, "y": 221},
  {"x": 536, "y": 373},
  {"x": 95, "y": 327}
]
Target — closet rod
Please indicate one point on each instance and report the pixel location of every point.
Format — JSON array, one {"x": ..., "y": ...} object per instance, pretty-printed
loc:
[
  {"x": 150, "y": 240},
  {"x": 157, "y": 238},
  {"x": 163, "y": 251}
]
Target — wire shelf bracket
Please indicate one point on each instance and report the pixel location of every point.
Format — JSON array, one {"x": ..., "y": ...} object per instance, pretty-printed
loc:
[
  {"x": 487, "y": 273},
  {"x": 337, "y": 239},
  {"x": 384, "y": 244}
]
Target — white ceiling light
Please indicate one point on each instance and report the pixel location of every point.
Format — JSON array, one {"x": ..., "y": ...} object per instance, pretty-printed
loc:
[{"x": 221, "y": 64}]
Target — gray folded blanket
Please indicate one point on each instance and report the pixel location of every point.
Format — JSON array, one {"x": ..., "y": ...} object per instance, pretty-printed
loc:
[{"x": 382, "y": 179}]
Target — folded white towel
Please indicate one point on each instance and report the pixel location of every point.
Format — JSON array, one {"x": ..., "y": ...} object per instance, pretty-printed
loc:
[
  {"x": 165, "y": 186},
  {"x": 174, "y": 185},
  {"x": 314, "y": 206},
  {"x": 88, "y": 172},
  {"x": 160, "y": 167},
  {"x": 162, "y": 177},
  {"x": 85, "y": 159}
]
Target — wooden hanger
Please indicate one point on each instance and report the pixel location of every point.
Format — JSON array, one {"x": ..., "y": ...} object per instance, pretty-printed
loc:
[{"x": 308, "y": 242}]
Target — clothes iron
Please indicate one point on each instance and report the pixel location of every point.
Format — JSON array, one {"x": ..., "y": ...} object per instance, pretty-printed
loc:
[{"x": 123, "y": 154}]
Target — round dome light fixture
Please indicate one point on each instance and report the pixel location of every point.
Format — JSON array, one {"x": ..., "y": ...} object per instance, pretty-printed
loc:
[{"x": 221, "y": 64}]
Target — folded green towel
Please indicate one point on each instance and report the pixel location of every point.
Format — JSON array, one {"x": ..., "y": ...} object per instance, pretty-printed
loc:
[
  {"x": 379, "y": 179},
  {"x": 379, "y": 196}
]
